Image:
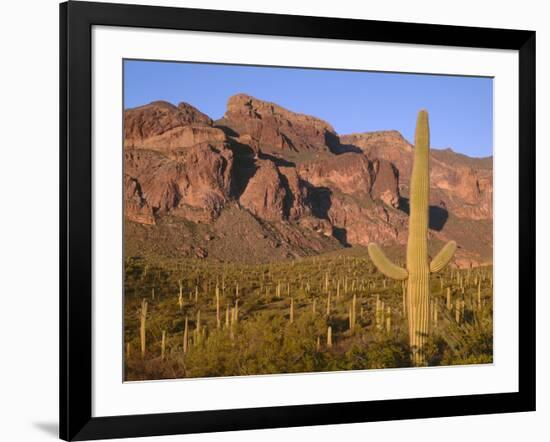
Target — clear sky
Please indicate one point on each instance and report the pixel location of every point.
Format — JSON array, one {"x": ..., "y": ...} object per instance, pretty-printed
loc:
[{"x": 460, "y": 108}]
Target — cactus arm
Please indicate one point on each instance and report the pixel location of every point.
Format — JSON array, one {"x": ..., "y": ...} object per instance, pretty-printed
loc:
[
  {"x": 383, "y": 264},
  {"x": 443, "y": 257}
]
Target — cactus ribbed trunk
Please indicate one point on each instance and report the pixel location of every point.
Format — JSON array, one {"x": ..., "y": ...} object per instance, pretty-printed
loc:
[{"x": 418, "y": 284}]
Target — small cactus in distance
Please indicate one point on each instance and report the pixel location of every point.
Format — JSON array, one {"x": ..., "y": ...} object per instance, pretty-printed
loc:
[
  {"x": 218, "y": 320},
  {"x": 142, "y": 326},
  {"x": 418, "y": 268},
  {"x": 329, "y": 337},
  {"x": 180, "y": 295},
  {"x": 186, "y": 336}
]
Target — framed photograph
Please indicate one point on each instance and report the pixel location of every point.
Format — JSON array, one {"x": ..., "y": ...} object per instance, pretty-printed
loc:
[{"x": 273, "y": 220}]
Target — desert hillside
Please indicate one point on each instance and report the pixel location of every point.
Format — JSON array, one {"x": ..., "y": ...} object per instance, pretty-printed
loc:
[{"x": 264, "y": 184}]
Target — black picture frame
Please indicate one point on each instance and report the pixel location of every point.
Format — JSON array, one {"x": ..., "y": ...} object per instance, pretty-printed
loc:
[{"x": 76, "y": 21}]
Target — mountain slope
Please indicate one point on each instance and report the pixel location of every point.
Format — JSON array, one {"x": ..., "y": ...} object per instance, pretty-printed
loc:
[{"x": 264, "y": 183}]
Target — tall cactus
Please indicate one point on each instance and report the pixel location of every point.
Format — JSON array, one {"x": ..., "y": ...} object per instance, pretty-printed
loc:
[{"x": 418, "y": 269}]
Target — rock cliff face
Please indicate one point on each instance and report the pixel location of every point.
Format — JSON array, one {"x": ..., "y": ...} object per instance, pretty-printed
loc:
[
  {"x": 157, "y": 118},
  {"x": 272, "y": 128},
  {"x": 180, "y": 163},
  {"x": 459, "y": 184},
  {"x": 265, "y": 193},
  {"x": 291, "y": 179}
]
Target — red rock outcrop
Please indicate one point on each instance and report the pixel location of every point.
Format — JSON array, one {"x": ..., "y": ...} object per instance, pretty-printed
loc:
[
  {"x": 347, "y": 173},
  {"x": 196, "y": 185},
  {"x": 297, "y": 204},
  {"x": 158, "y": 117},
  {"x": 157, "y": 177},
  {"x": 357, "y": 187},
  {"x": 386, "y": 183},
  {"x": 354, "y": 174},
  {"x": 465, "y": 187},
  {"x": 135, "y": 205},
  {"x": 388, "y": 145},
  {"x": 265, "y": 193},
  {"x": 164, "y": 127},
  {"x": 274, "y": 128},
  {"x": 460, "y": 184},
  {"x": 206, "y": 179},
  {"x": 363, "y": 224},
  {"x": 181, "y": 137}
]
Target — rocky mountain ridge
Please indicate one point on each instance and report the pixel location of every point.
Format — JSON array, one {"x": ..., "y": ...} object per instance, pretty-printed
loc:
[{"x": 292, "y": 180}]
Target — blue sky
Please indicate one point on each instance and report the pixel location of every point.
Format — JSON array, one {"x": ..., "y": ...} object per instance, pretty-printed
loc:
[{"x": 460, "y": 108}]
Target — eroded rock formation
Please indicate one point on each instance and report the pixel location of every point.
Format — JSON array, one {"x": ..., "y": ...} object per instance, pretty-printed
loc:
[{"x": 308, "y": 189}]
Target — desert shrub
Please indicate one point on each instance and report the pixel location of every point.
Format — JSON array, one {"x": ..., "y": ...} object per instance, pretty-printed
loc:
[{"x": 263, "y": 341}]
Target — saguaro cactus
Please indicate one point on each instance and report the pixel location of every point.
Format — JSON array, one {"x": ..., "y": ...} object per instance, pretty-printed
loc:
[
  {"x": 143, "y": 326},
  {"x": 418, "y": 268},
  {"x": 185, "y": 336},
  {"x": 218, "y": 320},
  {"x": 329, "y": 337}
]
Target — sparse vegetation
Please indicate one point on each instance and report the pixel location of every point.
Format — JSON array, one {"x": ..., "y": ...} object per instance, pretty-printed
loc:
[{"x": 325, "y": 313}]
